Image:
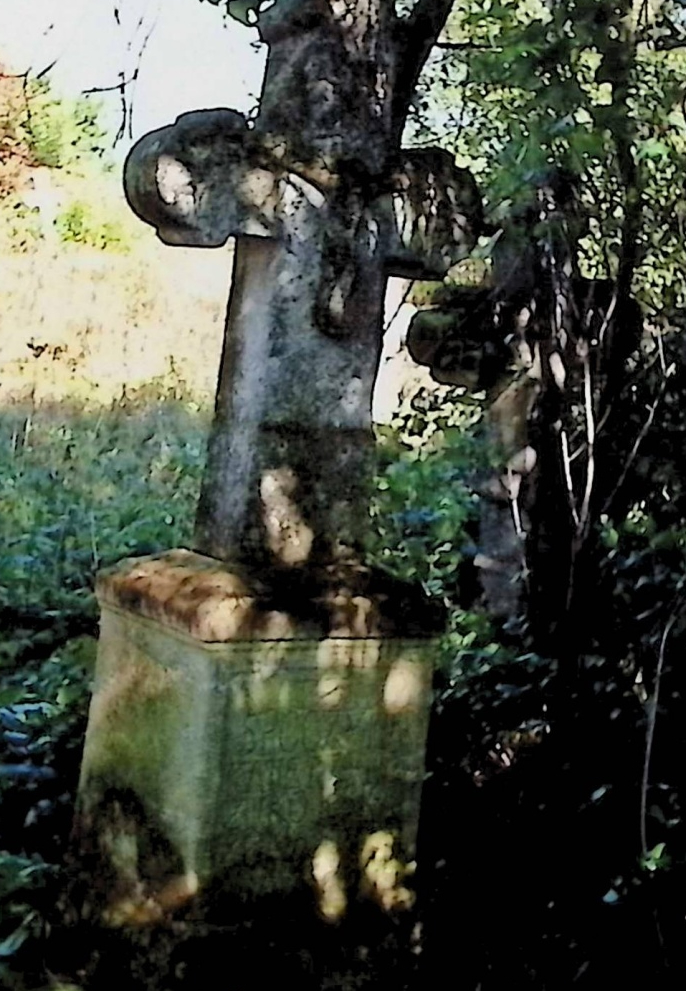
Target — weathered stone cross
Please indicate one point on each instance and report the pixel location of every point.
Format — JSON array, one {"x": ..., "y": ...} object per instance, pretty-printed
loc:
[
  {"x": 290, "y": 448},
  {"x": 226, "y": 711}
]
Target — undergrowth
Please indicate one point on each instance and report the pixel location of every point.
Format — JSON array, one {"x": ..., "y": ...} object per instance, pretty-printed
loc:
[{"x": 554, "y": 797}]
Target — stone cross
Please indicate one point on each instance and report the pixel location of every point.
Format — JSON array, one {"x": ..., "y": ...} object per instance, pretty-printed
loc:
[
  {"x": 317, "y": 233},
  {"x": 223, "y": 752}
]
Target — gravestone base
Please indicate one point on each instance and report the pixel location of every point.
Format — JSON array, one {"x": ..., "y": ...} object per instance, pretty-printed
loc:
[{"x": 239, "y": 754}]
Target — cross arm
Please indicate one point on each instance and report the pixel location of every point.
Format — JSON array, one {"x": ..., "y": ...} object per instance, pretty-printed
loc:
[
  {"x": 432, "y": 212},
  {"x": 201, "y": 180}
]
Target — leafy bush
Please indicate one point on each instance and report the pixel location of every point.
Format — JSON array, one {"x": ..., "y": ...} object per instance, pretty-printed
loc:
[
  {"x": 79, "y": 224},
  {"x": 37, "y": 128},
  {"x": 430, "y": 456},
  {"x": 24, "y": 885},
  {"x": 80, "y": 489}
]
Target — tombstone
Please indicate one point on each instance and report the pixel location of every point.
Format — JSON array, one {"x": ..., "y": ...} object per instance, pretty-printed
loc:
[
  {"x": 532, "y": 339},
  {"x": 261, "y": 701},
  {"x": 459, "y": 340}
]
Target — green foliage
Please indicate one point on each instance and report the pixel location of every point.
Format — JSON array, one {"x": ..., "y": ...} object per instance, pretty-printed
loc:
[
  {"x": 538, "y": 747},
  {"x": 81, "y": 489},
  {"x": 656, "y": 859},
  {"x": 40, "y": 132},
  {"x": 52, "y": 696},
  {"x": 60, "y": 132},
  {"x": 39, "y": 129},
  {"x": 424, "y": 501},
  {"x": 529, "y": 85},
  {"x": 42, "y": 719},
  {"x": 471, "y": 648},
  {"x": 20, "y": 921},
  {"x": 20, "y": 226},
  {"x": 79, "y": 224}
]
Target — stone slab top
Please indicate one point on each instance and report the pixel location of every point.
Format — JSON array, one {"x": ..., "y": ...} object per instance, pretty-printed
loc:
[{"x": 214, "y": 603}]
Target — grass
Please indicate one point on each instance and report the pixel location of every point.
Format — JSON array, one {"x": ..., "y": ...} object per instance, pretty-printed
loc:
[{"x": 81, "y": 487}]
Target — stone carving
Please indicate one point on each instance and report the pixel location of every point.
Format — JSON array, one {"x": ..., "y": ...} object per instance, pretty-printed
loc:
[
  {"x": 548, "y": 347},
  {"x": 228, "y": 742},
  {"x": 252, "y": 696},
  {"x": 460, "y": 341},
  {"x": 324, "y": 208}
]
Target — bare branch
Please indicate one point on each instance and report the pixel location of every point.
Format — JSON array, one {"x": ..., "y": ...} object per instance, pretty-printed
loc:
[
  {"x": 463, "y": 91},
  {"x": 405, "y": 297},
  {"x": 141, "y": 52},
  {"x": 125, "y": 112},
  {"x": 29, "y": 72},
  {"x": 115, "y": 87},
  {"x": 468, "y": 46},
  {"x": 566, "y": 464},
  {"x": 127, "y": 87},
  {"x": 643, "y": 13},
  {"x": 650, "y": 732},
  {"x": 667, "y": 44},
  {"x": 634, "y": 450},
  {"x": 584, "y": 513},
  {"x": 46, "y": 70},
  {"x": 608, "y": 317}
]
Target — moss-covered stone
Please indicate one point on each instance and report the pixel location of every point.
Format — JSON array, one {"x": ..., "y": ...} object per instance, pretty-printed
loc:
[{"x": 239, "y": 764}]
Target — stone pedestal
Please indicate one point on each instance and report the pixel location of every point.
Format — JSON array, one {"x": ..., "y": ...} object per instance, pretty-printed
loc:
[{"x": 234, "y": 745}]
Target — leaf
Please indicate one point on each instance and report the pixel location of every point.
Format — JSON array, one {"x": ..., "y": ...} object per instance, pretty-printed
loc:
[
  {"x": 652, "y": 149},
  {"x": 244, "y": 11},
  {"x": 8, "y": 697},
  {"x": 10, "y": 944},
  {"x": 656, "y": 859},
  {"x": 587, "y": 144}
]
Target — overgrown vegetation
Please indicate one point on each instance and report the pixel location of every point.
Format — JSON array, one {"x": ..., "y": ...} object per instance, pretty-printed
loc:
[
  {"x": 38, "y": 129},
  {"x": 554, "y": 832},
  {"x": 81, "y": 488},
  {"x": 560, "y": 734},
  {"x": 80, "y": 286}
]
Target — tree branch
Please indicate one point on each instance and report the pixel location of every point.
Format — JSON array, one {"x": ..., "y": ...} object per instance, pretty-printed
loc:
[
  {"x": 115, "y": 87},
  {"x": 430, "y": 16},
  {"x": 650, "y": 732},
  {"x": 469, "y": 46},
  {"x": 416, "y": 36},
  {"x": 664, "y": 44}
]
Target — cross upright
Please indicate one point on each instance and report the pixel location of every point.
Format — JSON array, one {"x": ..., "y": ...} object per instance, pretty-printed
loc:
[{"x": 324, "y": 206}]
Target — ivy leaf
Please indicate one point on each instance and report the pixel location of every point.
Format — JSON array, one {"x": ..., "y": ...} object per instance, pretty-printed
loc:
[
  {"x": 12, "y": 943},
  {"x": 244, "y": 11}
]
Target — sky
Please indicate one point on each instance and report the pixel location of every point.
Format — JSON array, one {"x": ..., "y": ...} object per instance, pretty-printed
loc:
[{"x": 193, "y": 59}]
